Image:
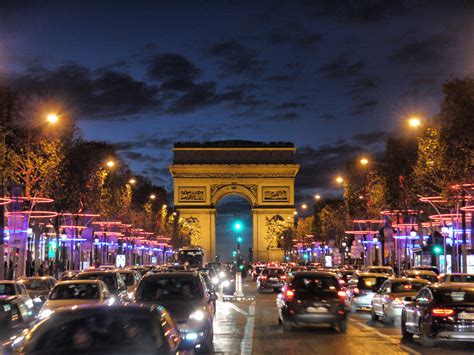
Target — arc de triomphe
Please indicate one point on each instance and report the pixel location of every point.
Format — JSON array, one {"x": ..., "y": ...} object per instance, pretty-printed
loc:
[{"x": 262, "y": 173}]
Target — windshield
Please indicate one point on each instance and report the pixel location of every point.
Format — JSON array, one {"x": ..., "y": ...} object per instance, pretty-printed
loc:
[
  {"x": 129, "y": 278},
  {"x": 7, "y": 290},
  {"x": 273, "y": 272},
  {"x": 398, "y": 287},
  {"x": 459, "y": 295},
  {"x": 75, "y": 291},
  {"x": 103, "y": 333},
  {"x": 370, "y": 283},
  {"x": 170, "y": 289},
  {"x": 107, "y": 278},
  {"x": 461, "y": 278},
  {"x": 193, "y": 257},
  {"x": 315, "y": 285},
  {"x": 381, "y": 271},
  {"x": 430, "y": 278},
  {"x": 36, "y": 285}
]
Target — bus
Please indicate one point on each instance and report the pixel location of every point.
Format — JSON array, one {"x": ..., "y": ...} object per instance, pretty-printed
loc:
[{"x": 193, "y": 256}]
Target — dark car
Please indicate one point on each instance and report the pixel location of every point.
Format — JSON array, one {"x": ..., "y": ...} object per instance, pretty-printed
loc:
[
  {"x": 440, "y": 312},
  {"x": 186, "y": 297},
  {"x": 271, "y": 278},
  {"x": 38, "y": 288},
  {"x": 68, "y": 275},
  {"x": 16, "y": 306},
  {"x": 113, "y": 280},
  {"x": 312, "y": 297},
  {"x": 100, "y": 330},
  {"x": 427, "y": 275},
  {"x": 456, "y": 277}
]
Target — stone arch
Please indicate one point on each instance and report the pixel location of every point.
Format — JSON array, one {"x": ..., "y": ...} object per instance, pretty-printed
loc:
[{"x": 244, "y": 191}]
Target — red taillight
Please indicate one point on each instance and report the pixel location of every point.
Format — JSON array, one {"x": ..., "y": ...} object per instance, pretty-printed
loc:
[
  {"x": 342, "y": 282},
  {"x": 289, "y": 295},
  {"x": 263, "y": 278},
  {"x": 356, "y": 290},
  {"x": 442, "y": 312},
  {"x": 283, "y": 277},
  {"x": 341, "y": 294}
]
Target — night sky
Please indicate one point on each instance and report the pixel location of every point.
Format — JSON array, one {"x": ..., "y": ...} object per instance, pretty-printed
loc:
[{"x": 334, "y": 77}]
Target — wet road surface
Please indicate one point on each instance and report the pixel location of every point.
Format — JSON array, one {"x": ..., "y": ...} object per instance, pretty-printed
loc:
[{"x": 251, "y": 327}]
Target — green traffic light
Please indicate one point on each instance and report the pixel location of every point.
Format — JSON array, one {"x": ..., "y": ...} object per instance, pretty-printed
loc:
[
  {"x": 437, "y": 249},
  {"x": 241, "y": 267},
  {"x": 237, "y": 226},
  {"x": 239, "y": 239}
]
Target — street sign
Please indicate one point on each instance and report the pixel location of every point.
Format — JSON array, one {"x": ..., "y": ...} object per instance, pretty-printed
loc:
[{"x": 120, "y": 260}]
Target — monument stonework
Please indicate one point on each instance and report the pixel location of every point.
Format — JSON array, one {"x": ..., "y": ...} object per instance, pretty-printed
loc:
[{"x": 262, "y": 173}]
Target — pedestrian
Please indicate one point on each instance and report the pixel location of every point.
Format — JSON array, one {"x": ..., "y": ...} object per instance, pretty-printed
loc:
[{"x": 41, "y": 270}]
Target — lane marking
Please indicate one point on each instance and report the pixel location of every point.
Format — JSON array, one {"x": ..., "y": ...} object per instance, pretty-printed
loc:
[
  {"x": 237, "y": 309},
  {"x": 388, "y": 337},
  {"x": 247, "y": 341}
]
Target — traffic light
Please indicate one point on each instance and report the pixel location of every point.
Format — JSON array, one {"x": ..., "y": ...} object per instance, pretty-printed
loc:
[
  {"x": 437, "y": 249},
  {"x": 234, "y": 253},
  {"x": 241, "y": 267},
  {"x": 239, "y": 239},
  {"x": 237, "y": 226}
]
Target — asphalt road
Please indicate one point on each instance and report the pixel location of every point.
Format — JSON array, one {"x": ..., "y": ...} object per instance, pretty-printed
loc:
[{"x": 251, "y": 327}]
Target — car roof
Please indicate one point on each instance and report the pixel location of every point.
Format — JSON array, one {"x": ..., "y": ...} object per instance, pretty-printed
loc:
[
  {"x": 101, "y": 308},
  {"x": 11, "y": 282},
  {"x": 35, "y": 278},
  {"x": 452, "y": 286},
  {"x": 313, "y": 274},
  {"x": 379, "y": 267},
  {"x": 370, "y": 274},
  {"x": 172, "y": 274},
  {"x": 420, "y": 272},
  {"x": 459, "y": 274},
  {"x": 73, "y": 282},
  {"x": 105, "y": 272},
  {"x": 407, "y": 279}
]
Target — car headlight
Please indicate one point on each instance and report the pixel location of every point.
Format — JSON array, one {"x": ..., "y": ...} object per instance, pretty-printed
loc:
[
  {"x": 197, "y": 315},
  {"x": 29, "y": 303},
  {"x": 226, "y": 283},
  {"x": 37, "y": 300},
  {"x": 215, "y": 280},
  {"x": 45, "y": 313},
  {"x": 222, "y": 274},
  {"x": 130, "y": 295}
]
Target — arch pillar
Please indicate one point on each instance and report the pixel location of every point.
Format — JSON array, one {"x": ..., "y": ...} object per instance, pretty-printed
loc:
[{"x": 206, "y": 224}]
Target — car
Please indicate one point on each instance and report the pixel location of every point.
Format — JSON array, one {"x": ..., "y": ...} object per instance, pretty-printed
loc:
[
  {"x": 100, "y": 329},
  {"x": 362, "y": 287},
  {"x": 386, "y": 270},
  {"x": 312, "y": 298},
  {"x": 186, "y": 297},
  {"x": 292, "y": 269},
  {"x": 344, "y": 276},
  {"x": 387, "y": 303},
  {"x": 16, "y": 306},
  {"x": 257, "y": 270},
  {"x": 114, "y": 281},
  {"x": 131, "y": 278},
  {"x": 76, "y": 292},
  {"x": 421, "y": 274},
  {"x": 440, "y": 312},
  {"x": 456, "y": 277},
  {"x": 272, "y": 278},
  {"x": 38, "y": 288},
  {"x": 426, "y": 268},
  {"x": 68, "y": 275}
]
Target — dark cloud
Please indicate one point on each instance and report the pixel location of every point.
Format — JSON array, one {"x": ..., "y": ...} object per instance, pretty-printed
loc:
[
  {"x": 283, "y": 117},
  {"x": 429, "y": 51},
  {"x": 342, "y": 67},
  {"x": 171, "y": 67},
  {"x": 361, "y": 86},
  {"x": 363, "y": 107},
  {"x": 293, "y": 34},
  {"x": 319, "y": 165},
  {"x": 367, "y": 138},
  {"x": 291, "y": 105},
  {"x": 145, "y": 142},
  {"x": 235, "y": 59},
  {"x": 138, "y": 157},
  {"x": 104, "y": 93},
  {"x": 326, "y": 117},
  {"x": 279, "y": 78}
]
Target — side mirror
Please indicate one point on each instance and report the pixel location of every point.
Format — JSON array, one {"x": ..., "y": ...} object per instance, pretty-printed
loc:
[{"x": 213, "y": 297}]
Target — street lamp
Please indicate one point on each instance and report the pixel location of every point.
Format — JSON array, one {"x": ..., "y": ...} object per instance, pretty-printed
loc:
[
  {"x": 414, "y": 122},
  {"x": 52, "y": 118},
  {"x": 364, "y": 161},
  {"x": 317, "y": 197},
  {"x": 132, "y": 181},
  {"x": 339, "y": 180},
  {"x": 110, "y": 164},
  {"x": 152, "y": 196},
  {"x": 304, "y": 206}
]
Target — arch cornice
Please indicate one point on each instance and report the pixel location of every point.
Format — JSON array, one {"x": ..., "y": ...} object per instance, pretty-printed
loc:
[{"x": 247, "y": 191}]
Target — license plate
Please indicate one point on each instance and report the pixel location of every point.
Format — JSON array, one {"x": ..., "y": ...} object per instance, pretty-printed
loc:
[
  {"x": 273, "y": 279},
  {"x": 6, "y": 307},
  {"x": 465, "y": 315},
  {"x": 316, "y": 310}
]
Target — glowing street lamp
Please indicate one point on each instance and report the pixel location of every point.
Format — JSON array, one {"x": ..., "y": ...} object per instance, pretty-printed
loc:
[
  {"x": 52, "y": 118},
  {"x": 110, "y": 164},
  {"x": 317, "y": 197},
  {"x": 304, "y": 206},
  {"x": 132, "y": 181},
  {"x": 339, "y": 180},
  {"x": 364, "y": 161},
  {"x": 152, "y": 196},
  {"x": 414, "y": 122}
]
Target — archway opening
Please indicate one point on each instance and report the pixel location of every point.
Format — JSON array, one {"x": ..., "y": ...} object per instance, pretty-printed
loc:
[{"x": 233, "y": 224}]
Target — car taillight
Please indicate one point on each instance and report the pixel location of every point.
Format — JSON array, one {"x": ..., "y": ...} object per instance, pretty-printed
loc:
[
  {"x": 263, "y": 278},
  {"x": 283, "y": 277},
  {"x": 289, "y": 295},
  {"x": 341, "y": 294},
  {"x": 356, "y": 290},
  {"x": 342, "y": 282},
  {"x": 442, "y": 312}
]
